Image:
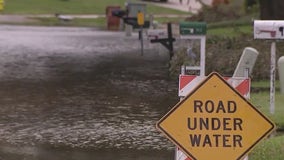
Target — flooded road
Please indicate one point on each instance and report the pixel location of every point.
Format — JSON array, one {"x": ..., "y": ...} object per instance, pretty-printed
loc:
[{"x": 80, "y": 93}]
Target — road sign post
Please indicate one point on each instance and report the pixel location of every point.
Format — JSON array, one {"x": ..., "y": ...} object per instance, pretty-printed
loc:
[{"x": 215, "y": 118}]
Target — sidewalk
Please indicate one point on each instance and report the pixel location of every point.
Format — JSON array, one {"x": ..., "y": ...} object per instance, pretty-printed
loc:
[{"x": 16, "y": 19}]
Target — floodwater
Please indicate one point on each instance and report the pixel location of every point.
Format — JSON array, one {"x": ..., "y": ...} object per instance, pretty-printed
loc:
[{"x": 80, "y": 93}]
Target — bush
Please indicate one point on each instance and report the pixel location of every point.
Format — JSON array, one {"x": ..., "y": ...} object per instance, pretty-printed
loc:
[
  {"x": 222, "y": 12},
  {"x": 223, "y": 54}
]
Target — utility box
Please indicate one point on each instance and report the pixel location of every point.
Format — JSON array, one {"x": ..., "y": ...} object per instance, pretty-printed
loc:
[
  {"x": 193, "y": 28},
  {"x": 134, "y": 8}
]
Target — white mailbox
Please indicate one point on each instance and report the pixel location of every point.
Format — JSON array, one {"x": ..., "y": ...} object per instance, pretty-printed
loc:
[
  {"x": 269, "y": 29},
  {"x": 157, "y": 34}
]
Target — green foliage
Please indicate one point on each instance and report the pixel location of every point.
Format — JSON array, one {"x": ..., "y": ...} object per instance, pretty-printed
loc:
[
  {"x": 181, "y": 57},
  {"x": 269, "y": 149},
  {"x": 223, "y": 52},
  {"x": 223, "y": 12}
]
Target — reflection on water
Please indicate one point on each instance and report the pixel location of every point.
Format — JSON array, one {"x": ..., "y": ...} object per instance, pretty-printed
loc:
[{"x": 82, "y": 105}]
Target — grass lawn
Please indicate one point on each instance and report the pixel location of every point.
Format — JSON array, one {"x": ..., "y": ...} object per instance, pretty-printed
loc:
[
  {"x": 231, "y": 28},
  {"x": 261, "y": 101},
  {"x": 73, "y": 7},
  {"x": 269, "y": 149},
  {"x": 272, "y": 148},
  {"x": 231, "y": 31}
]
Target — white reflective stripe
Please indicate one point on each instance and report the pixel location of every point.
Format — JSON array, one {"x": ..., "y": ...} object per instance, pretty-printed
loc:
[
  {"x": 180, "y": 155},
  {"x": 235, "y": 82},
  {"x": 190, "y": 86}
]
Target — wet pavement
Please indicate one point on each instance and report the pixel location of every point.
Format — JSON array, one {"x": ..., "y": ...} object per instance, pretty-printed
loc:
[{"x": 80, "y": 93}]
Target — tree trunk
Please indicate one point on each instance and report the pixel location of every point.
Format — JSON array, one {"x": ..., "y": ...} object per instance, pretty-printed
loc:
[{"x": 271, "y": 9}]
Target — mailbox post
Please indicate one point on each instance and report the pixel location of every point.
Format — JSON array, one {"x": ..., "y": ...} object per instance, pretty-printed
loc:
[
  {"x": 166, "y": 42},
  {"x": 272, "y": 30}
]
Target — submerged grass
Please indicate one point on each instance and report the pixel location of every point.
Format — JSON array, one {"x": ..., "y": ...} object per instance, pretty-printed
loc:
[{"x": 82, "y": 22}]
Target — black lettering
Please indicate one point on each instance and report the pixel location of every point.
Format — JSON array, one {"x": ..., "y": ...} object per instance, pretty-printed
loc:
[
  {"x": 197, "y": 105},
  {"x": 195, "y": 140},
  {"x": 226, "y": 140},
  {"x": 238, "y": 124},
  {"x": 207, "y": 141},
  {"x": 232, "y": 107},
  {"x": 204, "y": 122},
  {"x": 192, "y": 124},
  {"x": 226, "y": 124},
  {"x": 216, "y": 136},
  {"x": 209, "y": 106},
  {"x": 237, "y": 140},
  {"x": 221, "y": 107},
  {"x": 216, "y": 124}
]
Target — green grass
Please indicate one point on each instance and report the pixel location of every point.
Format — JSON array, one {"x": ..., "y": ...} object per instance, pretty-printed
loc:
[
  {"x": 264, "y": 84},
  {"x": 231, "y": 28},
  {"x": 230, "y": 31},
  {"x": 261, "y": 101},
  {"x": 269, "y": 149},
  {"x": 72, "y": 7}
]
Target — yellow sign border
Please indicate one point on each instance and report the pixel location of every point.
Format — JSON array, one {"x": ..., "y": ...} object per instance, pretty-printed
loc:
[{"x": 240, "y": 96}]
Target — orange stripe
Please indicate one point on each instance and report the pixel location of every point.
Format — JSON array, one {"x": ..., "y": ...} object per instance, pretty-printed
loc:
[
  {"x": 243, "y": 87},
  {"x": 184, "y": 80}
]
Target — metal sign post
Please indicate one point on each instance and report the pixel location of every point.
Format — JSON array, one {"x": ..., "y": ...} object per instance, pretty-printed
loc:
[
  {"x": 140, "y": 22},
  {"x": 272, "y": 77}
]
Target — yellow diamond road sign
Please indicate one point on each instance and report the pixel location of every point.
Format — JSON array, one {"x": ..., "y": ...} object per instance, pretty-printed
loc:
[{"x": 215, "y": 122}]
